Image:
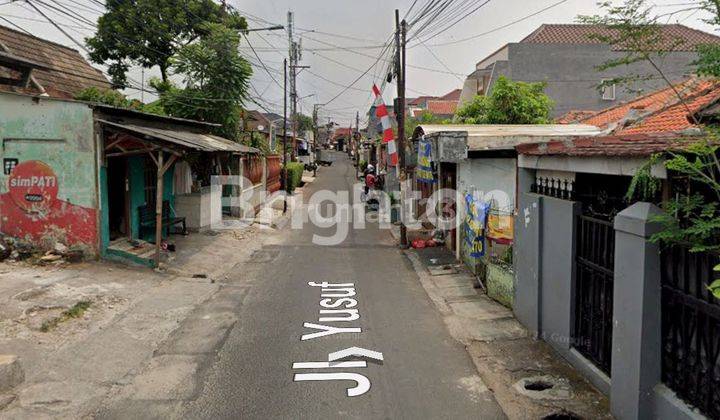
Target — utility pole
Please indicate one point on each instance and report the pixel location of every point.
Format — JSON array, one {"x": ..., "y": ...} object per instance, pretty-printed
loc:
[
  {"x": 285, "y": 175},
  {"x": 400, "y": 35},
  {"x": 295, "y": 54},
  {"x": 357, "y": 144},
  {"x": 316, "y": 135}
]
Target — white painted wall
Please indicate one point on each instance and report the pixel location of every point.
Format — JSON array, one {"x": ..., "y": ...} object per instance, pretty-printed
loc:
[{"x": 494, "y": 178}]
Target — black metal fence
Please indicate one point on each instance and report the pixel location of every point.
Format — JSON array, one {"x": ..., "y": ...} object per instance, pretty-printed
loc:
[
  {"x": 691, "y": 329},
  {"x": 595, "y": 264}
]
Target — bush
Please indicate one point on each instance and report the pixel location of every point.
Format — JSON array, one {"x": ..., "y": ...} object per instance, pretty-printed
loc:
[
  {"x": 363, "y": 165},
  {"x": 294, "y": 175}
]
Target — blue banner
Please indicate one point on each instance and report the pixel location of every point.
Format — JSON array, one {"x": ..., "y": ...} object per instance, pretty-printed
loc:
[
  {"x": 474, "y": 226},
  {"x": 424, "y": 170}
]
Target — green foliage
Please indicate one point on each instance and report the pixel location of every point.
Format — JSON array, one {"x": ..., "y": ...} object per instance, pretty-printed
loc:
[
  {"x": 426, "y": 117},
  {"x": 304, "y": 123},
  {"x": 149, "y": 32},
  {"x": 76, "y": 311},
  {"x": 636, "y": 32},
  {"x": 715, "y": 286},
  {"x": 114, "y": 98},
  {"x": 644, "y": 186},
  {"x": 509, "y": 103},
  {"x": 294, "y": 175},
  {"x": 691, "y": 218},
  {"x": 216, "y": 81}
]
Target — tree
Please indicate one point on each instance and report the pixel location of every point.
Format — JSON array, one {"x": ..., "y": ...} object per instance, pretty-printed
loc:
[
  {"x": 425, "y": 117},
  {"x": 636, "y": 31},
  {"x": 304, "y": 123},
  {"x": 509, "y": 103},
  {"x": 149, "y": 32},
  {"x": 691, "y": 217},
  {"x": 114, "y": 98},
  {"x": 216, "y": 81}
]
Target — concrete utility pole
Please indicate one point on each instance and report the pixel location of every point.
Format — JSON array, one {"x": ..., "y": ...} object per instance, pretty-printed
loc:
[
  {"x": 295, "y": 54},
  {"x": 357, "y": 144},
  {"x": 400, "y": 35},
  {"x": 285, "y": 175},
  {"x": 316, "y": 135},
  {"x": 292, "y": 54}
]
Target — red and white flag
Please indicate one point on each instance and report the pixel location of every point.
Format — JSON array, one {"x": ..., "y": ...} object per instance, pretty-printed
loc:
[{"x": 388, "y": 135}]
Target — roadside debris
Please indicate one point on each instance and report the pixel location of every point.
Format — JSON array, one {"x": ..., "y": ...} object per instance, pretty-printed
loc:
[{"x": 16, "y": 249}]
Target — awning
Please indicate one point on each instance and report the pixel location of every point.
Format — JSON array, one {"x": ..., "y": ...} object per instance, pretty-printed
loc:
[{"x": 185, "y": 139}]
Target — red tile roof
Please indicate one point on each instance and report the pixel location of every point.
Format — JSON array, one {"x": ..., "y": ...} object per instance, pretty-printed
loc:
[
  {"x": 574, "y": 116},
  {"x": 420, "y": 100},
  {"x": 452, "y": 96},
  {"x": 649, "y": 124},
  {"x": 68, "y": 72},
  {"x": 635, "y": 145},
  {"x": 676, "y": 37},
  {"x": 660, "y": 111},
  {"x": 442, "y": 107}
]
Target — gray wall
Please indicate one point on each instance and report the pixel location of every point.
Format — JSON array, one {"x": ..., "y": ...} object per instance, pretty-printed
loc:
[
  {"x": 544, "y": 267},
  {"x": 572, "y": 76}
]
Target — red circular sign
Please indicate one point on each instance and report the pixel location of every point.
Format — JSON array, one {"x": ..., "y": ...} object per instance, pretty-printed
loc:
[{"x": 33, "y": 186}]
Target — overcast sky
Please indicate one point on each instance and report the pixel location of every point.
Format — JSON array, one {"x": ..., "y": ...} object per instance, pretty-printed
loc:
[{"x": 341, "y": 40}]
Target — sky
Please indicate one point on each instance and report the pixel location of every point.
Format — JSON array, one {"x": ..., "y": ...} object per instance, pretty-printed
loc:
[{"x": 342, "y": 39}]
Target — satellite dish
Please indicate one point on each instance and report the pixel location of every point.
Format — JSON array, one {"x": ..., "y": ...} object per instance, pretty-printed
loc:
[{"x": 261, "y": 127}]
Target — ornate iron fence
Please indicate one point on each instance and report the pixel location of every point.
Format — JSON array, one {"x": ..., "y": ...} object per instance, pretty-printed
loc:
[
  {"x": 691, "y": 329},
  {"x": 552, "y": 187},
  {"x": 595, "y": 264}
]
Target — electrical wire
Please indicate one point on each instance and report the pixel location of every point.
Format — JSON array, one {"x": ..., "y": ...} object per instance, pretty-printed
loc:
[{"x": 497, "y": 28}]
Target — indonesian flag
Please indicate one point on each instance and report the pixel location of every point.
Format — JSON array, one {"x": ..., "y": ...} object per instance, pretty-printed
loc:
[{"x": 388, "y": 135}]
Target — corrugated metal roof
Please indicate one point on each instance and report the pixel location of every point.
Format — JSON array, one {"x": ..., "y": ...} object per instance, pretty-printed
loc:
[
  {"x": 195, "y": 141},
  {"x": 506, "y": 137}
]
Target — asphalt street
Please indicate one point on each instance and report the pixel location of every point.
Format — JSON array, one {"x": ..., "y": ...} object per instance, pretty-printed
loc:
[{"x": 425, "y": 373}]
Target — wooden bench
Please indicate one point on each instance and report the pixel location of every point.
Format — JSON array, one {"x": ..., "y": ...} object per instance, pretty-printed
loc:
[{"x": 147, "y": 217}]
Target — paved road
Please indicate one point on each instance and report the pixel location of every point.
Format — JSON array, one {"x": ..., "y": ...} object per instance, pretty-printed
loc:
[{"x": 425, "y": 374}]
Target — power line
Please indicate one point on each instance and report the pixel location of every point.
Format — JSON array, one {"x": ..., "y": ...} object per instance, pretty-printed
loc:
[
  {"x": 14, "y": 25},
  {"x": 499, "y": 27}
]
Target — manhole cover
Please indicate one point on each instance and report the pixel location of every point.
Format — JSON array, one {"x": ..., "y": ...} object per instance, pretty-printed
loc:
[
  {"x": 544, "y": 387},
  {"x": 563, "y": 415}
]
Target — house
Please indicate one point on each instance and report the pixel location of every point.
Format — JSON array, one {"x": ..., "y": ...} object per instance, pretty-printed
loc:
[
  {"x": 33, "y": 65},
  {"x": 479, "y": 162},
  {"x": 591, "y": 282},
  {"x": 341, "y": 138},
  {"x": 88, "y": 175},
  {"x": 439, "y": 106},
  {"x": 566, "y": 57}
]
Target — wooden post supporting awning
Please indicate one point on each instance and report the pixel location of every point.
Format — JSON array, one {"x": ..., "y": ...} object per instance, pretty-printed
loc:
[
  {"x": 162, "y": 167},
  {"x": 171, "y": 142}
]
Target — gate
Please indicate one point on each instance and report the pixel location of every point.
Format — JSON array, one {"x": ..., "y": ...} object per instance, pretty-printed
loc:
[
  {"x": 691, "y": 328},
  {"x": 595, "y": 261}
]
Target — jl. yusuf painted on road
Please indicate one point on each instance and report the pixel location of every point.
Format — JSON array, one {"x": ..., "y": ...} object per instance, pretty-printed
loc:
[{"x": 339, "y": 305}]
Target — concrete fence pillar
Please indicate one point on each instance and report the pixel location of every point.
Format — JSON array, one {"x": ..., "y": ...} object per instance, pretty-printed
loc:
[
  {"x": 527, "y": 262},
  {"x": 637, "y": 335}
]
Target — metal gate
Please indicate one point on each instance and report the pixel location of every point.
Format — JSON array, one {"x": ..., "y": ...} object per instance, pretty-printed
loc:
[{"x": 595, "y": 258}]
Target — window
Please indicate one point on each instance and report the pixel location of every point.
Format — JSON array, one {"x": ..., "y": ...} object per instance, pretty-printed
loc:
[{"x": 608, "y": 91}]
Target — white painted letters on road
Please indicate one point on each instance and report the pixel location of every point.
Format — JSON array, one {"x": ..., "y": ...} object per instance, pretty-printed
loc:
[
  {"x": 363, "y": 383},
  {"x": 351, "y": 315},
  {"x": 349, "y": 303},
  {"x": 326, "y": 330}
]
